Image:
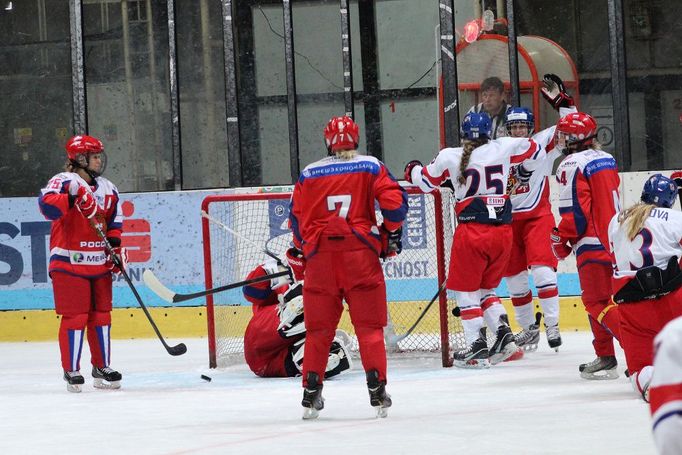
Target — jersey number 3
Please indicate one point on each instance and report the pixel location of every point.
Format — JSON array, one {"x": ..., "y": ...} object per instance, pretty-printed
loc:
[{"x": 343, "y": 200}]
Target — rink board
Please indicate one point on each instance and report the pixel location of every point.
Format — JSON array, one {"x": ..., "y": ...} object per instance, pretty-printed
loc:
[{"x": 42, "y": 325}]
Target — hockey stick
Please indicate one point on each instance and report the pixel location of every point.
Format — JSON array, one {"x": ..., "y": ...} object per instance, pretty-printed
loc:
[
  {"x": 173, "y": 297},
  {"x": 397, "y": 338},
  {"x": 172, "y": 350}
]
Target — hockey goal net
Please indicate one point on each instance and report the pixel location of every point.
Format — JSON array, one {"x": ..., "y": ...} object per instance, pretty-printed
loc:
[{"x": 412, "y": 278}]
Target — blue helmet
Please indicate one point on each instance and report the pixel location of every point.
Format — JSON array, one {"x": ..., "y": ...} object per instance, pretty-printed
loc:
[
  {"x": 660, "y": 191},
  {"x": 476, "y": 125},
  {"x": 521, "y": 115}
]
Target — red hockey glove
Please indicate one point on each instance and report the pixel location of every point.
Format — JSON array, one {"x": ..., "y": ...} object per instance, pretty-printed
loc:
[
  {"x": 677, "y": 177},
  {"x": 296, "y": 262},
  {"x": 391, "y": 242},
  {"x": 560, "y": 247},
  {"x": 555, "y": 93},
  {"x": 86, "y": 202},
  {"x": 408, "y": 169},
  {"x": 122, "y": 259}
]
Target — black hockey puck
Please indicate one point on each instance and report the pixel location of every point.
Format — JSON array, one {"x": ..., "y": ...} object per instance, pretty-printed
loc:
[
  {"x": 205, "y": 378},
  {"x": 456, "y": 312}
]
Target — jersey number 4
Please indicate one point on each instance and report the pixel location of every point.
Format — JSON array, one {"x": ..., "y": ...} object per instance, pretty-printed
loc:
[
  {"x": 490, "y": 182},
  {"x": 343, "y": 200}
]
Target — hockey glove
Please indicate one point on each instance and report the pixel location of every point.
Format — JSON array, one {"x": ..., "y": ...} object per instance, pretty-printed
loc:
[
  {"x": 523, "y": 175},
  {"x": 296, "y": 262},
  {"x": 391, "y": 242},
  {"x": 555, "y": 93},
  {"x": 408, "y": 169},
  {"x": 122, "y": 259},
  {"x": 85, "y": 202},
  {"x": 271, "y": 266},
  {"x": 560, "y": 246}
]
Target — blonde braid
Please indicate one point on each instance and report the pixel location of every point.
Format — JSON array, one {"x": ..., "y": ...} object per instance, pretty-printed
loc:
[{"x": 468, "y": 147}]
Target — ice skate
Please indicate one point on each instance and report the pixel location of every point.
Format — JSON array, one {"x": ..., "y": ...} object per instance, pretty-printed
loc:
[
  {"x": 312, "y": 401},
  {"x": 600, "y": 368},
  {"x": 74, "y": 381},
  {"x": 504, "y": 346},
  {"x": 528, "y": 339},
  {"x": 553, "y": 336},
  {"x": 475, "y": 356},
  {"x": 378, "y": 398},
  {"x": 106, "y": 378}
]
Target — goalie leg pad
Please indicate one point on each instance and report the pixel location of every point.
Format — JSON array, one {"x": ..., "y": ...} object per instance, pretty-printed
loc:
[{"x": 339, "y": 359}]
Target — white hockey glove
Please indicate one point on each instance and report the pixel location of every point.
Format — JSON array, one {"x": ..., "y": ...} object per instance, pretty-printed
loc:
[
  {"x": 271, "y": 266},
  {"x": 290, "y": 312}
]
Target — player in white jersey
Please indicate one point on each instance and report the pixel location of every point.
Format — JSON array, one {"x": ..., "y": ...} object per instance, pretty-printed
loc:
[
  {"x": 666, "y": 389},
  {"x": 645, "y": 241},
  {"x": 482, "y": 241},
  {"x": 532, "y": 225},
  {"x": 80, "y": 268}
]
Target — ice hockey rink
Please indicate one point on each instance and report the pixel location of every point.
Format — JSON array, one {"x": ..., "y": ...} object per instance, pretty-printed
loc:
[{"x": 538, "y": 405}]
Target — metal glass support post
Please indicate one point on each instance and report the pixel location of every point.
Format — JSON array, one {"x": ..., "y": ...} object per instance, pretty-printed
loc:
[
  {"x": 174, "y": 105},
  {"x": 234, "y": 160},
  {"x": 619, "y": 92},
  {"x": 80, "y": 118},
  {"x": 347, "y": 60},
  {"x": 513, "y": 56},
  {"x": 449, "y": 73},
  {"x": 291, "y": 89}
]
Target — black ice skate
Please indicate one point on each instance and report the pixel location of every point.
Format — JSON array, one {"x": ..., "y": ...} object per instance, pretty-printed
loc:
[
  {"x": 600, "y": 368},
  {"x": 529, "y": 338},
  {"x": 504, "y": 346},
  {"x": 475, "y": 356},
  {"x": 553, "y": 336},
  {"x": 106, "y": 378},
  {"x": 312, "y": 401},
  {"x": 378, "y": 398},
  {"x": 74, "y": 381}
]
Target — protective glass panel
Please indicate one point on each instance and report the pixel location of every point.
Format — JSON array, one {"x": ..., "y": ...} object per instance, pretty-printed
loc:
[{"x": 36, "y": 114}]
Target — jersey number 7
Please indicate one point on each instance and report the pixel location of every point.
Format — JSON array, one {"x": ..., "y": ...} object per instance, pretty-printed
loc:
[{"x": 343, "y": 200}]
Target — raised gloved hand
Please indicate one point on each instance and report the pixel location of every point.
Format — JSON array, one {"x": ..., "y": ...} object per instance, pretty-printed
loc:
[
  {"x": 296, "y": 262},
  {"x": 523, "y": 174},
  {"x": 560, "y": 247},
  {"x": 86, "y": 202},
  {"x": 121, "y": 261},
  {"x": 555, "y": 92},
  {"x": 408, "y": 169},
  {"x": 391, "y": 242}
]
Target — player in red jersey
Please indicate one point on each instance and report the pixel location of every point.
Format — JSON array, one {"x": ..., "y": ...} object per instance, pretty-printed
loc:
[
  {"x": 337, "y": 246},
  {"x": 275, "y": 336},
  {"x": 80, "y": 268},
  {"x": 588, "y": 199},
  {"x": 481, "y": 247}
]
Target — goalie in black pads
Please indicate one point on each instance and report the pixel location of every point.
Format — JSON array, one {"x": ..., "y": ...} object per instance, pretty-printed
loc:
[{"x": 275, "y": 337}]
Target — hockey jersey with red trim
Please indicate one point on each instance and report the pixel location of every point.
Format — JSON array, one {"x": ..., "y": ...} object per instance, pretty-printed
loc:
[
  {"x": 656, "y": 243},
  {"x": 75, "y": 247},
  {"x": 588, "y": 199},
  {"x": 483, "y": 198},
  {"x": 665, "y": 390},
  {"x": 336, "y": 195},
  {"x": 531, "y": 200}
]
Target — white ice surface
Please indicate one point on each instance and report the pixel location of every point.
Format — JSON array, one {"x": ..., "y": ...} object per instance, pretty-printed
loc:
[{"x": 538, "y": 405}]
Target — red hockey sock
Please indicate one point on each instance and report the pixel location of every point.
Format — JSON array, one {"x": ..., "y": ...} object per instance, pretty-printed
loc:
[
  {"x": 71, "y": 340},
  {"x": 99, "y": 327},
  {"x": 372, "y": 349}
]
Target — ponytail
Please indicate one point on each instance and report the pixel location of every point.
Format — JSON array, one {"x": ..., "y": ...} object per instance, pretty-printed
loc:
[
  {"x": 468, "y": 146},
  {"x": 634, "y": 218}
]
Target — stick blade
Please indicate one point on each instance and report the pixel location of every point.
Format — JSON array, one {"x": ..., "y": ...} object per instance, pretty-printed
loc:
[
  {"x": 155, "y": 285},
  {"x": 177, "y": 350}
]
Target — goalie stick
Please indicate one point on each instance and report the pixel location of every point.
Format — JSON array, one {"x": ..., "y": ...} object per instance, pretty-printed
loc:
[
  {"x": 176, "y": 350},
  {"x": 173, "y": 297},
  {"x": 394, "y": 339}
]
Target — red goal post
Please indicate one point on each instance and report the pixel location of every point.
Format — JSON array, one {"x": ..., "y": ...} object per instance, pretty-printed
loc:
[{"x": 412, "y": 278}]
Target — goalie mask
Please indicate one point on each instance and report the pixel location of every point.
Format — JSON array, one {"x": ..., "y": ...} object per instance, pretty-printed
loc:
[{"x": 83, "y": 149}]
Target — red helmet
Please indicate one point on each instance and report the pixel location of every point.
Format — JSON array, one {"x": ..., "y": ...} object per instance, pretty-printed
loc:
[
  {"x": 82, "y": 145},
  {"x": 341, "y": 133},
  {"x": 579, "y": 128}
]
